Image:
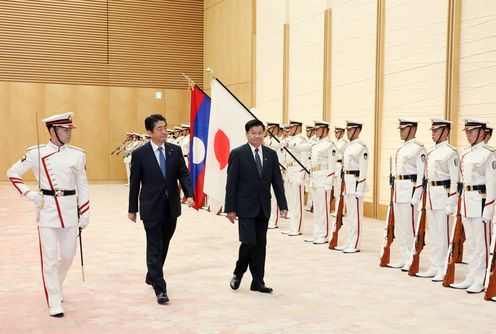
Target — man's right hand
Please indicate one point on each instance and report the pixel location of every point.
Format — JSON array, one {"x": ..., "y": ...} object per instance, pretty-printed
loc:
[
  {"x": 231, "y": 216},
  {"x": 132, "y": 216}
]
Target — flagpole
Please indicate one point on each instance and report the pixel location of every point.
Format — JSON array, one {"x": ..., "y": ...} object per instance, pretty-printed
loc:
[{"x": 253, "y": 115}]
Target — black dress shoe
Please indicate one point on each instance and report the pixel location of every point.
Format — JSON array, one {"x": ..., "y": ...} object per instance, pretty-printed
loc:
[
  {"x": 235, "y": 282},
  {"x": 162, "y": 298},
  {"x": 261, "y": 288},
  {"x": 58, "y": 315}
]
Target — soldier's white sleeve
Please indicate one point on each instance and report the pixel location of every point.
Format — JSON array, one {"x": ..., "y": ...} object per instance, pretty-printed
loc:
[
  {"x": 331, "y": 160},
  {"x": 362, "y": 176},
  {"x": 454, "y": 172},
  {"x": 488, "y": 211},
  {"x": 417, "y": 194},
  {"x": 17, "y": 170},
  {"x": 82, "y": 187}
]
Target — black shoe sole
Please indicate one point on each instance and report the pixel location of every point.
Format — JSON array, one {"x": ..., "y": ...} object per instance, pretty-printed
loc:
[{"x": 58, "y": 315}]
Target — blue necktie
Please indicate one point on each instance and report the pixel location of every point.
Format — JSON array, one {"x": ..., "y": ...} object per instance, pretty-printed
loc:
[{"x": 162, "y": 160}]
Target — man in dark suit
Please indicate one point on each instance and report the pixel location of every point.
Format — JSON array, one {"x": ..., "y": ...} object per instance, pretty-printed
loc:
[
  {"x": 155, "y": 168},
  {"x": 253, "y": 168}
]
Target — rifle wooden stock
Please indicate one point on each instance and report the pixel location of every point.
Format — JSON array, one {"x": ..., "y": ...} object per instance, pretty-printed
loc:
[
  {"x": 419, "y": 242},
  {"x": 388, "y": 232},
  {"x": 339, "y": 218},
  {"x": 120, "y": 147},
  {"x": 490, "y": 280},
  {"x": 454, "y": 248},
  {"x": 459, "y": 255}
]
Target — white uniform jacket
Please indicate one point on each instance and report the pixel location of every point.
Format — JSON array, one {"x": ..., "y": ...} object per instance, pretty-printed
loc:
[
  {"x": 62, "y": 168},
  {"x": 355, "y": 160},
  {"x": 478, "y": 167},
  {"x": 298, "y": 146},
  {"x": 322, "y": 164},
  {"x": 442, "y": 165},
  {"x": 410, "y": 160}
]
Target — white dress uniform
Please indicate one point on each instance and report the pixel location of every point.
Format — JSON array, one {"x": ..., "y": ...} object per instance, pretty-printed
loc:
[
  {"x": 478, "y": 168},
  {"x": 410, "y": 168},
  {"x": 442, "y": 174},
  {"x": 275, "y": 145},
  {"x": 295, "y": 176},
  {"x": 341, "y": 145},
  {"x": 312, "y": 140},
  {"x": 320, "y": 182},
  {"x": 64, "y": 186},
  {"x": 130, "y": 147},
  {"x": 355, "y": 162}
]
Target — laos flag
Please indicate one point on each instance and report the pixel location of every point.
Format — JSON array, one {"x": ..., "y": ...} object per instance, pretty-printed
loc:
[{"x": 198, "y": 142}]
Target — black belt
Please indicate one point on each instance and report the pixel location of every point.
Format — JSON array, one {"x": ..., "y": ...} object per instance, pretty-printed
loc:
[
  {"x": 339, "y": 160},
  {"x": 444, "y": 183},
  {"x": 480, "y": 188},
  {"x": 412, "y": 177},
  {"x": 353, "y": 172},
  {"x": 58, "y": 193}
]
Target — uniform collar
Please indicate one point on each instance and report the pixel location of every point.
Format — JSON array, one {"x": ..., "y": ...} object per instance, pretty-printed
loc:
[
  {"x": 444, "y": 143},
  {"x": 410, "y": 141},
  {"x": 481, "y": 144},
  {"x": 55, "y": 147}
]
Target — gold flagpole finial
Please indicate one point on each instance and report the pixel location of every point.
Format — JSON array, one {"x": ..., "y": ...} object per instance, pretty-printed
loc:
[
  {"x": 191, "y": 83},
  {"x": 210, "y": 71}
]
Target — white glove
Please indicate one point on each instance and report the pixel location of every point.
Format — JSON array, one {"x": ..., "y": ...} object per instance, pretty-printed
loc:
[
  {"x": 486, "y": 221},
  {"x": 359, "y": 194},
  {"x": 414, "y": 201},
  {"x": 84, "y": 221},
  {"x": 449, "y": 210},
  {"x": 34, "y": 197}
]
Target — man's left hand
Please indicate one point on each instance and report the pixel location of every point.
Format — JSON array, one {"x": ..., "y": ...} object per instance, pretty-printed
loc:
[{"x": 190, "y": 202}]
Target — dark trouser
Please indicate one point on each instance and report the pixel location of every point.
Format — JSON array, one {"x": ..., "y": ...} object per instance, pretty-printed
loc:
[
  {"x": 253, "y": 237},
  {"x": 158, "y": 236}
]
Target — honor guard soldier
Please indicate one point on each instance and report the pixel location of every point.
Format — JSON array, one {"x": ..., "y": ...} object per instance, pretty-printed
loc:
[
  {"x": 296, "y": 174},
  {"x": 177, "y": 135},
  {"x": 185, "y": 143},
  {"x": 442, "y": 174},
  {"x": 355, "y": 162},
  {"x": 410, "y": 167},
  {"x": 478, "y": 172},
  {"x": 130, "y": 147},
  {"x": 270, "y": 141},
  {"x": 341, "y": 144},
  {"x": 312, "y": 140},
  {"x": 62, "y": 202},
  {"x": 322, "y": 171}
]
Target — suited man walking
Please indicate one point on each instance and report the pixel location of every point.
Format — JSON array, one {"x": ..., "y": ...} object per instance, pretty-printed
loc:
[
  {"x": 155, "y": 169},
  {"x": 253, "y": 168}
]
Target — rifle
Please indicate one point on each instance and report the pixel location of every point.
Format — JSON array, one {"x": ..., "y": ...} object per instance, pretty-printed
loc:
[
  {"x": 459, "y": 257},
  {"x": 339, "y": 215},
  {"x": 490, "y": 280},
  {"x": 419, "y": 242},
  {"x": 120, "y": 147},
  {"x": 456, "y": 242},
  {"x": 389, "y": 227}
]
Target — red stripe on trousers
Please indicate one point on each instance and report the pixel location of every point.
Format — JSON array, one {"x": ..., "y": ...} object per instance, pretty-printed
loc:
[
  {"x": 413, "y": 221},
  {"x": 42, "y": 273},
  {"x": 301, "y": 208},
  {"x": 327, "y": 216},
  {"x": 447, "y": 229},
  {"x": 485, "y": 242},
  {"x": 358, "y": 222}
]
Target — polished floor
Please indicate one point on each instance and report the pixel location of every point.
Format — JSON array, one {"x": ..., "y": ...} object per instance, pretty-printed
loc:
[{"x": 315, "y": 290}]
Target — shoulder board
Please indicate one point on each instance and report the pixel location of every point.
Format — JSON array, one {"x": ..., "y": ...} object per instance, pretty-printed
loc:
[
  {"x": 452, "y": 147},
  {"x": 359, "y": 141},
  {"x": 76, "y": 148},
  {"x": 490, "y": 148},
  {"x": 418, "y": 143},
  {"x": 35, "y": 147}
]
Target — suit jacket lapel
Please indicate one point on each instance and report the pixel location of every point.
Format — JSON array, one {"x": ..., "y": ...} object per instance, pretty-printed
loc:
[{"x": 265, "y": 151}]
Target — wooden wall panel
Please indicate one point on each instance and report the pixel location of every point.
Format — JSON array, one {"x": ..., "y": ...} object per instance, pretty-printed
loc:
[
  {"x": 228, "y": 43},
  {"x": 133, "y": 43}
]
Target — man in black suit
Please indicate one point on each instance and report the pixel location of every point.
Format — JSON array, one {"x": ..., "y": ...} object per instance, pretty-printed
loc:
[
  {"x": 253, "y": 168},
  {"x": 155, "y": 168}
]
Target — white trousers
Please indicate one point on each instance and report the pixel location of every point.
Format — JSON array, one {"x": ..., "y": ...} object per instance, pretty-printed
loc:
[
  {"x": 439, "y": 237},
  {"x": 478, "y": 236},
  {"x": 57, "y": 250},
  {"x": 128, "y": 170},
  {"x": 354, "y": 218},
  {"x": 405, "y": 221},
  {"x": 274, "y": 210},
  {"x": 295, "y": 203},
  {"x": 320, "y": 213},
  {"x": 309, "y": 204}
]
